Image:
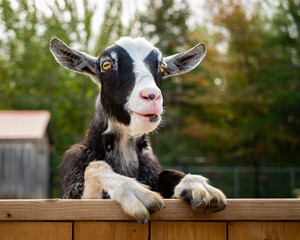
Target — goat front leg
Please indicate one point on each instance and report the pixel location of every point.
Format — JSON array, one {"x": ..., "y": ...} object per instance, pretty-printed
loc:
[
  {"x": 192, "y": 188},
  {"x": 136, "y": 200}
]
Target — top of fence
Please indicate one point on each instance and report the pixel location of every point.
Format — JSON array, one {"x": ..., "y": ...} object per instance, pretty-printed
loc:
[
  {"x": 176, "y": 210},
  {"x": 222, "y": 169}
]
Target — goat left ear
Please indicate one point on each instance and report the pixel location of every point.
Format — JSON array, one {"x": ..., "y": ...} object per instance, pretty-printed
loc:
[
  {"x": 72, "y": 59},
  {"x": 184, "y": 62}
]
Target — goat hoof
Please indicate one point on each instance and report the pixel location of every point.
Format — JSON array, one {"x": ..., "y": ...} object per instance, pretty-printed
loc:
[
  {"x": 156, "y": 206},
  {"x": 139, "y": 202},
  {"x": 142, "y": 220},
  {"x": 202, "y": 197},
  {"x": 200, "y": 205},
  {"x": 215, "y": 206}
]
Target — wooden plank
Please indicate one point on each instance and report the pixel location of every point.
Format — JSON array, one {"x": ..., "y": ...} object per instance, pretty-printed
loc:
[
  {"x": 264, "y": 230},
  {"x": 236, "y": 210},
  {"x": 110, "y": 231},
  {"x": 61, "y": 210},
  {"x": 188, "y": 230},
  {"x": 107, "y": 210},
  {"x": 35, "y": 230}
]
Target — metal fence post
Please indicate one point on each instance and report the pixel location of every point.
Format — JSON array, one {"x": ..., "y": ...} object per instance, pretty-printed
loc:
[
  {"x": 236, "y": 180},
  {"x": 293, "y": 180}
]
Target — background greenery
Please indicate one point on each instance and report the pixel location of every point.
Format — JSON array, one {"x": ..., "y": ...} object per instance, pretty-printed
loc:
[{"x": 240, "y": 108}]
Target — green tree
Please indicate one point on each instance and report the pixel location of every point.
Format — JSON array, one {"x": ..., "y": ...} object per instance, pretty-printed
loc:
[{"x": 251, "y": 115}]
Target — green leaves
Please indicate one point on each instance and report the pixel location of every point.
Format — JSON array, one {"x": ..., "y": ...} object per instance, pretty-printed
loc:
[{"x": 254, "y": 87}]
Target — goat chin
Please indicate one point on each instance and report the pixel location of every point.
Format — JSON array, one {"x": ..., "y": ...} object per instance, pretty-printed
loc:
[{"x": 140, "y": 125}]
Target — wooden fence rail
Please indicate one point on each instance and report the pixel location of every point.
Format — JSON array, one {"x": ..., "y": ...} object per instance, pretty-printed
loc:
[{"x": 257, "y": 219}]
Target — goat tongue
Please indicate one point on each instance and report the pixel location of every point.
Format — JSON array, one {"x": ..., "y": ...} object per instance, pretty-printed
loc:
[{"x": 154, "y": 118}]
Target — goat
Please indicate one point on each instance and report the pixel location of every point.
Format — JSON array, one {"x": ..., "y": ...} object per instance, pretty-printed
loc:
[{"x": 116, "y": 160}]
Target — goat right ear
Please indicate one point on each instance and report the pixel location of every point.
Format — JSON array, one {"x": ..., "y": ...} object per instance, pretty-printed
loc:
[
  {"x": 72, "y": 59},
  {"x": 184, "y": 62}
]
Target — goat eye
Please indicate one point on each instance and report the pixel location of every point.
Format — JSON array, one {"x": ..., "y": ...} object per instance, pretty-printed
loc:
[
  {"x": 106, "y": 65},
  {"x": 162, "y": 68}
]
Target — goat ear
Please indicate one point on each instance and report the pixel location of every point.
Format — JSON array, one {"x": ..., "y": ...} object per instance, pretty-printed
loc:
[
  {"x": 184, "y": 62},
  {"x": 72, "y": 59}
]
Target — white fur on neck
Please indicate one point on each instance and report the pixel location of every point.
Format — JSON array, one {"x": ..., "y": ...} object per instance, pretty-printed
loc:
[{"x": 125, "y": 149}]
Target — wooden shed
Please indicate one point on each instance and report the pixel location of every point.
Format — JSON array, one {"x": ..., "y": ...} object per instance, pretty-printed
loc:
[{"x": 25, "y": 146}]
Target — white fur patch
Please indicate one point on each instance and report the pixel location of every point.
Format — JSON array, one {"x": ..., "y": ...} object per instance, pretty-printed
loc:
[
  {"x": 123, "y": 151},
  {"x": 137, "y": 48},
  {"x": 98, "y": 108}
]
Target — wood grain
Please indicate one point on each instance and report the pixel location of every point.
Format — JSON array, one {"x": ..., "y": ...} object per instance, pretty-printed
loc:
[
  {"x": 35, "y": 231},
  {"x": 177, "y": 210},
  {"x": 264, "y": 230},
  {"x": 188, "y": 231},
  {"x": 110, "y": 231}
]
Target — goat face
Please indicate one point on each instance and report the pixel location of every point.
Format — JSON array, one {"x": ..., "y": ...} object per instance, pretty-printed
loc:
[
  {"x": 130, "y": 74},
  {"x": 131, "y": 82}
]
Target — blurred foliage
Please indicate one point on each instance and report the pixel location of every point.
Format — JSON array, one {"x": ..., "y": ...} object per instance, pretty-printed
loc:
[
  {"x": 31, "y": 78},
  {"x": 240, "y": 107},
  {"x": 249, "y": 101}
]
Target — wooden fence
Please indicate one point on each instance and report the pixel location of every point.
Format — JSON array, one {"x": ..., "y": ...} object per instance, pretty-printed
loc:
[{"x": 247, "y": 219}]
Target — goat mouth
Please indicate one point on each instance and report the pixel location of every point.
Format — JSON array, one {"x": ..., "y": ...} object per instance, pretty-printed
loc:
[{"x": 152, "y": 117}]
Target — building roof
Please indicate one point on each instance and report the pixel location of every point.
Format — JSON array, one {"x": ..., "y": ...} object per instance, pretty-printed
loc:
[{"x": 23, "y": 124}]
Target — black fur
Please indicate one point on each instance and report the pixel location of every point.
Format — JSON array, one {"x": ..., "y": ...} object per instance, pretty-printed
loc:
[
  {"x": 153, "y": 65},
  {"x": 167, "y": 181},
  {"x": 116, "y": 84}
]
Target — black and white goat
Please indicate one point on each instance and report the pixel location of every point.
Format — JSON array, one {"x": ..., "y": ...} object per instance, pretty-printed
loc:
[{"x": 116, "y": 160}]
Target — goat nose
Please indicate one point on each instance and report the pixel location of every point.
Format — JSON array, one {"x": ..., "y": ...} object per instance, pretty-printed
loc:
[{"x": 151, "y": 95}]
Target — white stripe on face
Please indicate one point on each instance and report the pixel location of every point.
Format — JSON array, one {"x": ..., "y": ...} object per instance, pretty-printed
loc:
[{"x": 139, "y": 49}]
